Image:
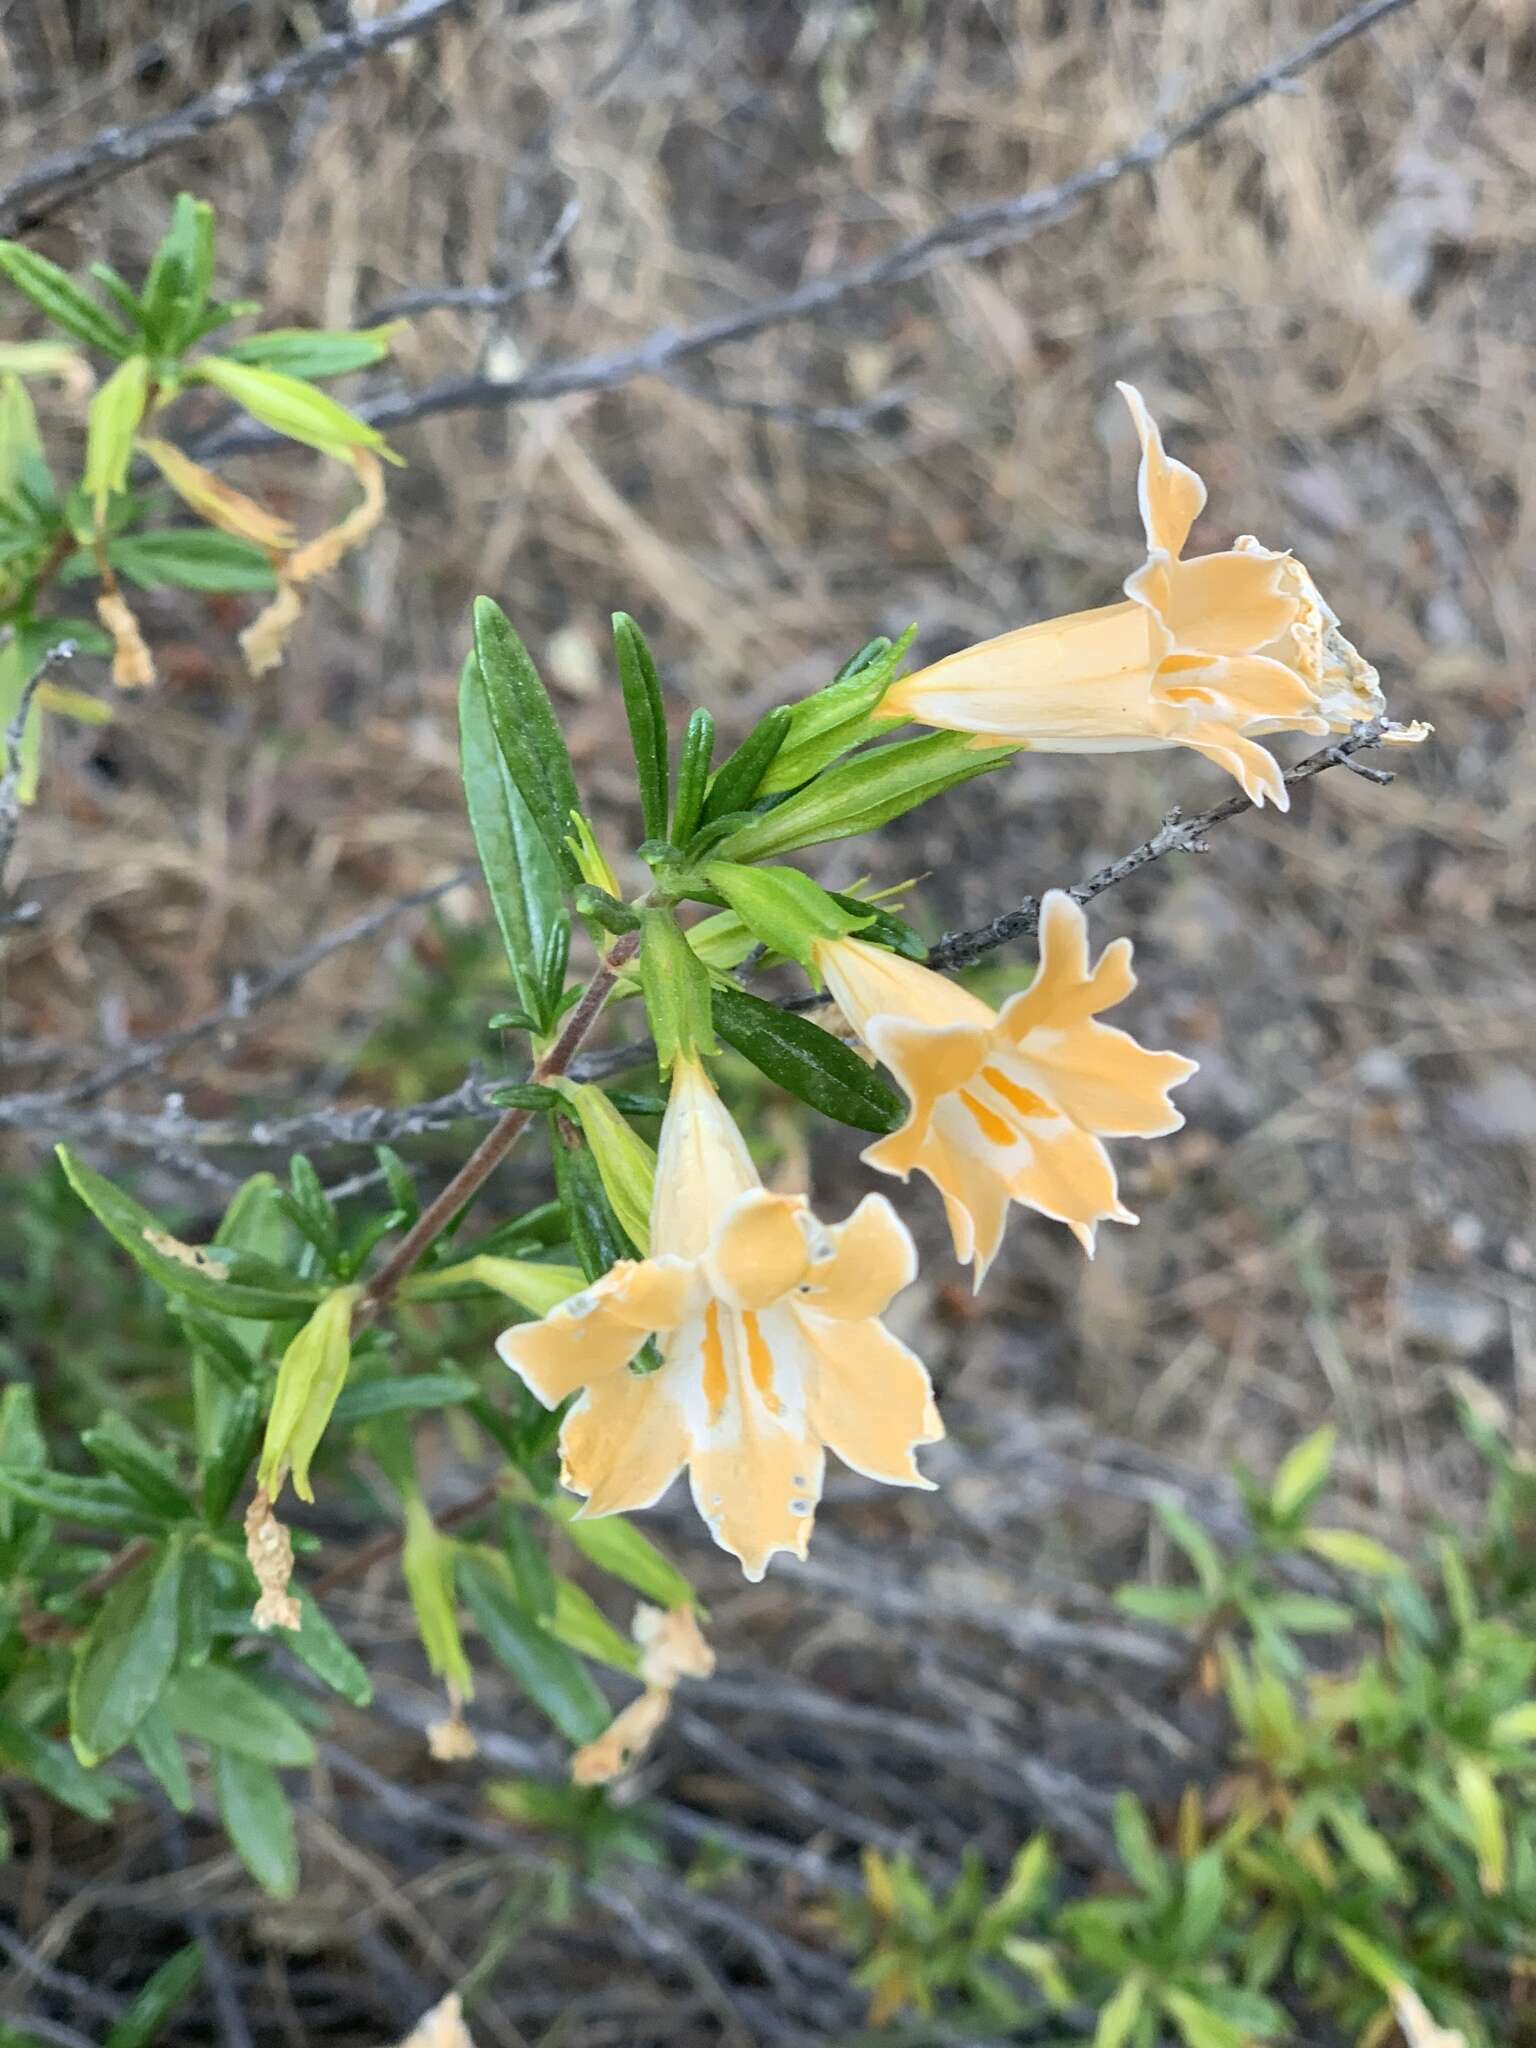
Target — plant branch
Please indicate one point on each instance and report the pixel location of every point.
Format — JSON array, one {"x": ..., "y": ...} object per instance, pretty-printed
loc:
[
  {"x": 41, "y": 191},
  {"x": 11, "y": 766},
  {"x": 975, "y": 232},
  {"x": 494, "y": 1147}
]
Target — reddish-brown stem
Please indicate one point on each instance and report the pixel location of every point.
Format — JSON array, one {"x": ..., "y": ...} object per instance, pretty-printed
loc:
[{"x": 493, "y": 1148}]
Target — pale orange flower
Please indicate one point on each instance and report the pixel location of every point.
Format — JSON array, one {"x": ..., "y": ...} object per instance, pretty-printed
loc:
[
  {"x": 770, "y": 1340},
  {"x": 1010, "y": 1105},
  {"x": 1204, "y": 653}
]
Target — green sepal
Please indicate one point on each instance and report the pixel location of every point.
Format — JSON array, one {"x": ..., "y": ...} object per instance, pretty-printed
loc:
[
  {"x": 864, "y": 793},
  {"x": 606, "y": 910},
  {"x": 675, "y": 984},
  {"x": 786, "y": 911},
  {"x": 597, "y": 1237}
]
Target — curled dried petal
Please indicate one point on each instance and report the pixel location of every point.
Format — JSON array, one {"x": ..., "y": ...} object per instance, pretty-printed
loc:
[
  {"x": 133, "y": 667},
  {"x": 269, "y": 1548}
]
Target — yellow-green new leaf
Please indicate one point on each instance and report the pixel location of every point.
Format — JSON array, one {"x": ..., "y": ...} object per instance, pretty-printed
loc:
[
  {"x": 427, "y": 1561},
  {"x": 625, "y": 1162},
  {"x": 1352, "y": 1552},
  {"x": 535, "y": 1287},
  {"x": 1303, "y": 1472},
  {"x": 292, "y": 408},
  {"x": 311, "y": 1376},
  {"x": 115, "y": 414},
  {"x": 1484, "y": 1809}
]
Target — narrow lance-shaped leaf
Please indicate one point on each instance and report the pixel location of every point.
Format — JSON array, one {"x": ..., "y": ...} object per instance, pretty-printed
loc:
[
  {"x": 864, "y": 793},
  {"x": 693, "y": 775},
  {"x": 291, "y": 407},
  {"x": 647, "y": 721},
  {"x": 181, "y": 558},
  {"x": 596, "y": 1233},
  {"x": 552, "y": 1676},
  {"x": 313, "y": 352},
  {"x": 55, "y": 293},
  {"x": 258, "y": 1820},
  {"x": 170, "y": 1985},
  {"x": 111, "y": 423},
  {"x": 739, "y": 778},
  {"x": 626, "y": 1163},
  {"x": 126, "y": 1657},
  {"x": 527, "y": 731},
  {"x": 841, "y": 716},
  {"x": 808, "y": 1062}
]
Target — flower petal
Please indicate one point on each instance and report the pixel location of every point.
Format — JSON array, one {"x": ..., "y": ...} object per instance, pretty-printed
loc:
[
  {"x": 1256, "y": 771},
  {"x": 868, "y": 1398},
  {"x": 624, "y": 1442},
  {"x": 868, "y": 981},
  {"x": 757, "y": 1478},
  {"x": 702, "y": 1165},
  {"x": 760, "y": 1252},
  {"x": 872, "y": 1258},
  {"x": 597, "y": 1332},
  {"x": 1232, "y": 603},
  {"x": 1071, "y": 1178},
  {"x": 928, "y": 1062},
  {"x": 974, "y": 1191},
  {"x": 1172, "y": 497}
]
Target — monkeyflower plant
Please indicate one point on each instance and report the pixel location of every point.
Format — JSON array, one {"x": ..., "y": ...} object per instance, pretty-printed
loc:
[{"x": 672, "y": 1306}]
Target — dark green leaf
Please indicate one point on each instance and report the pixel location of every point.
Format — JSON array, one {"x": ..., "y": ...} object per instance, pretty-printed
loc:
[
  {"x": 740, "y": 775},
  {"x": 595, "y": 1232},
  {"x": 142, "y": 1236},
  {"x": 401, "y": 1183},
  {"x": 647, "y": 720},
  {"x": 101, "y": 1503},
  {"x": 527, "y": 731},
  {"x": 126, "y": 1657},
  {"x": 810, "y": 1063},
  {"x": 316, "y": 1643},
  {"x": 616, "y": 1546},
  {"x": 55, "y": 1767},
  {"x": 223, "y": 1708},
  {"x": 55, "y": 293},
  {"x": 609, "y": 912},
  {"x": 154, "y": 2005},
  {"x": 556, "y": 1680},
  {"x": 693, "y": 775},
  {"x": 258, "y": 1821},
  {"x": 179, "y": 557},
  {"x": 160, "y": 1753},
  {"x": 529, "y": 1562},
  {"x": 120, "y": 1450},
  {"x": 224, "y": 1472},
  {"x": 405, "y": 1394},
  {"x": 523, "y": 879}
]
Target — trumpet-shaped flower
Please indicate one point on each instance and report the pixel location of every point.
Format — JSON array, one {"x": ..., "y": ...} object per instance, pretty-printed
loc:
[
  {"x": 770, "y": 1340},
  {"x": 1010, "y": 1105},
  {"x": 1204, "y": 653}
]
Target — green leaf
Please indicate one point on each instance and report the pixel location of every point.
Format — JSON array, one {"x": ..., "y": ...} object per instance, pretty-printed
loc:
[
  {"x": 579, "y": 1623},
  {"x": 126, "y": 1657},
  {"x": 309, "y": 1380},
  {"x": 1306, "y": 1615},
  {"x": 291, "y": 407},
  {"x": 55, "y": 1767},
  {"x": 810, "y": 1063},
  {"x": 693, "y": 775},
  {"x": 313, "y": 352},
  {"x": 1352, "y": 1552},
  {"x": 220, "y": 1706},
  {"x": 1204, "y": 1894},
  {"x": 405, "y": 1394},
  {"x": 120, "y": 1450},
  {"x": 1138, "y": 1851},
  {"x": 837, "y": 718},
  {"x": 862, "y": 794},
  {"x": 429, "y": 1562},
  {"x": 784, "y": 910},
  {"x": 182, "y": 1271},
  {"x": 258, "y": 1820},
  {"x": 160, "y": 1752},
  {"x": 180, "y": 276},
  {"x": 532, "y": 1574},
  {"x": 316, "y": 1644},
  {"x": 1198, "y": 2025},
  {"x": 111, "y": 423},
  {"x": 225, "y": 1469},
  {"x": 1367, "y": 1848},
  {"x": 554, "y": 1678},
  {"x": 1484, "y": 1809},
  {"x": 675, "y": 984},
  {"x": 1119, "y": 2016},
  {"x": 527, "y": 731},
  {"x": 55, "y": 293},
  {"x": 522, "y": 878},
  {"x": 100, "y": 1503},
  {"x": 1193, "y": 1541},
  {"x": 154, "y": 2005},
  {"x": 739, "y": 777},
  {"x": 1516, "y": 1724},
  {"x": 22, "y": 1448},
  {"x": 596, "y": 1233},
  {"x": 647, "y": 721},
  {"x": 617, "y": 1547},
  {"x": 1173, "y": 1606},
  {"x": 1303, "y": 1473},
  {"x": 181, "y": 558}
]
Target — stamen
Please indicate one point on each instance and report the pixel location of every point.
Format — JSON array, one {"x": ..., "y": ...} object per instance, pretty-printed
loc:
[
  {"x": 1024, "y": 1100},
  {"x": 716, "y": 1385},
  {"x": 995, "y": 1129},
  {"x": 760, "y": 1363}
]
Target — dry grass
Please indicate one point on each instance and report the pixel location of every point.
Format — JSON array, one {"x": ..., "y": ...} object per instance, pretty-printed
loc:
[{"x": 1330, "y": 307}]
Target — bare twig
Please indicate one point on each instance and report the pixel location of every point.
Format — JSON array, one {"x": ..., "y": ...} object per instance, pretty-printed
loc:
[
  {"x": 41, "y": 191},
  {"x": 488, "y": 298},
  {"x": 975, "y": 232},
  {"x": 376, "y": 1124},
  {"x": 244, "y": 999}
]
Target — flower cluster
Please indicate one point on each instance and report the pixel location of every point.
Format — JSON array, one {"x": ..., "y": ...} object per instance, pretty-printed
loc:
[{"x": 767, "y": 1325}]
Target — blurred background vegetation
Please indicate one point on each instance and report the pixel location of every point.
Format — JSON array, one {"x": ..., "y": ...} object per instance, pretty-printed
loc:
[{"x": 1329, "y": 304}]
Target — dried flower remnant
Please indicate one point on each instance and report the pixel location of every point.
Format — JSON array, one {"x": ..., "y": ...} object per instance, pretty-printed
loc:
[
  {"x": 133, "y": 666},
  {"x": 1205, "y": 653},
  {"x": 442, "y": 2027},
  {"x": 628, "y": 1735},
  {"x": 265, "y": 639},
  {"x": 771, "y": 1347},
  {"x": 269, "y": 1550},
  {"x": 452, "y": 1740},
  {"x": 672, "y": 1648},
  {"x": 1010, "y": 1105},
  {"x": 672, "y": 1645}
]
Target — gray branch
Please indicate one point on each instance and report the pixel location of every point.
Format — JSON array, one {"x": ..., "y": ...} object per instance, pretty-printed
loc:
[
  {"x": 977, "y": 231},
  {"x": 41, "y": 191},
  {"x": 11, "y": 765}
]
